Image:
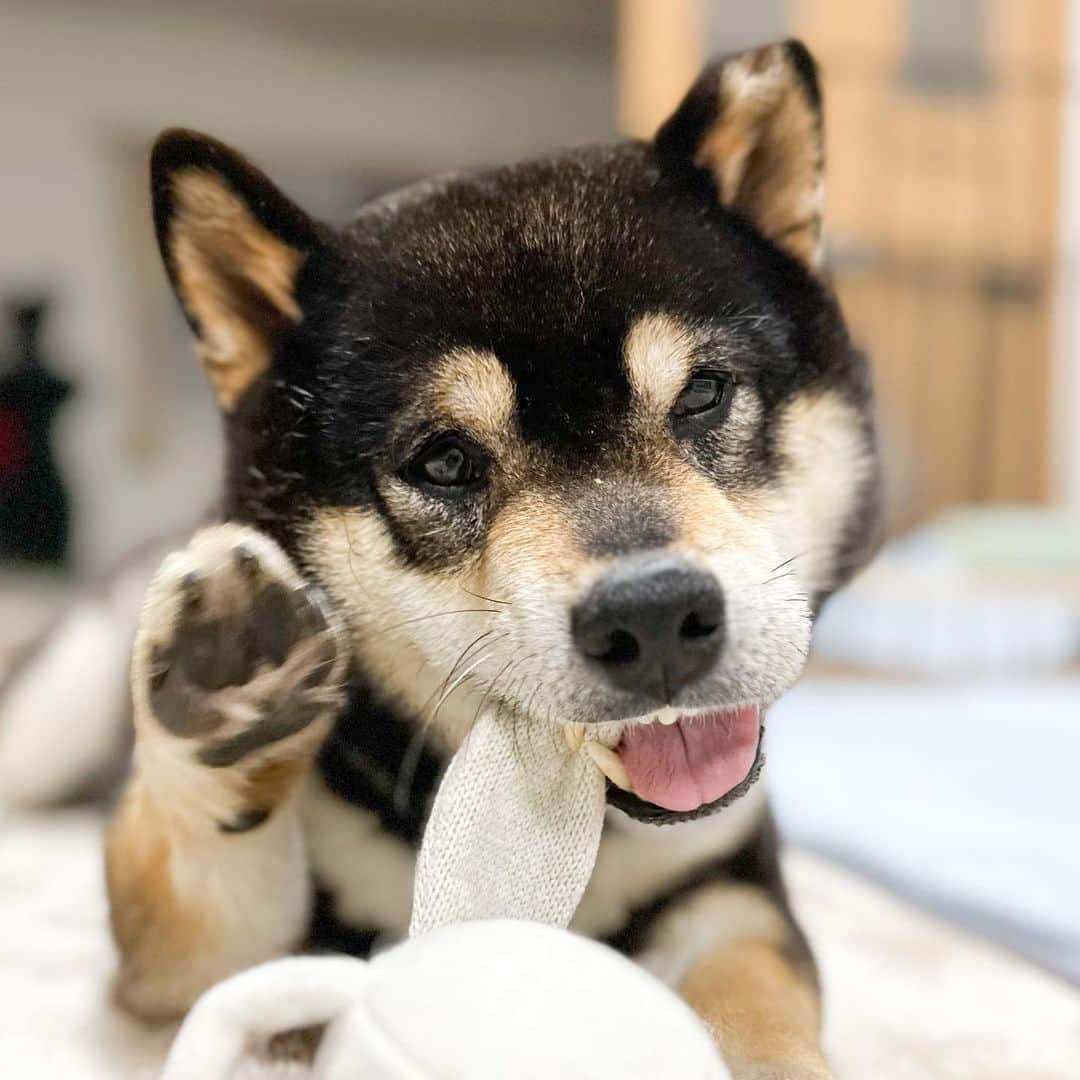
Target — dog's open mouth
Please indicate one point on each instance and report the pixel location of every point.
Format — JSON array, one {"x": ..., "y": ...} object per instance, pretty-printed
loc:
[{"x": 672, "y": 766}]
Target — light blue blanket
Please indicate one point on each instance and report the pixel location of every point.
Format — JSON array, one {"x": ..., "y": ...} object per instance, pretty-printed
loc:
[{"x": 964, "y": 797}]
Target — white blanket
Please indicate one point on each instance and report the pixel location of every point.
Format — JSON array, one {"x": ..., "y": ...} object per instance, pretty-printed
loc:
[{"x": 907, "y": 998}]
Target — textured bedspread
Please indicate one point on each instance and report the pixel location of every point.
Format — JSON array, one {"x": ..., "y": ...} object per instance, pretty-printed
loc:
[{"x": 908, "y": 998}]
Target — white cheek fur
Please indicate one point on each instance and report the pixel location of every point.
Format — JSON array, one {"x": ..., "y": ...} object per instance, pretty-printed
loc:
[
  {"x": 443, "y": 651},
  {"x": 830, "y": 462}
]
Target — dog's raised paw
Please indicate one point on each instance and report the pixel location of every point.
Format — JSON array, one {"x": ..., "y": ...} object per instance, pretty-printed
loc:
[{"x": 237, "y": 653}]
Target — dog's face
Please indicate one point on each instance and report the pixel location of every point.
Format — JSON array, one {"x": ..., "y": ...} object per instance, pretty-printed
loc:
[{"x": 582, "y": 440}]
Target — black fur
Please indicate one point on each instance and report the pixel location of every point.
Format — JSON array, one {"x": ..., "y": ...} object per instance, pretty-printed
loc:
[
  {"x": 372, "y": 759},
  {"x": 547, "y": 264}
]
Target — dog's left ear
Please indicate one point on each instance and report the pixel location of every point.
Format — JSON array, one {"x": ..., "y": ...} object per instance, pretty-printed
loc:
[
  {"x": 233, "y": 246},
  {"x": 752, "y": 126}
]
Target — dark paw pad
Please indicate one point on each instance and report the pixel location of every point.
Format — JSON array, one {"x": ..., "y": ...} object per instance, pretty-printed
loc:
[{"x": 230, "y": 630}]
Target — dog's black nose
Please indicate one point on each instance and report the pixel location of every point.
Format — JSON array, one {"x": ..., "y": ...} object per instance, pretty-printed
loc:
[{"x": 653, "y": 625}]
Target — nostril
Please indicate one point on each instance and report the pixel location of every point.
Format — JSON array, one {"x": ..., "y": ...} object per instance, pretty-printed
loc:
[
  {"x": 652, "y": 625},
  {"x": 622, "y": 648},
  {"x": 696, "y": 626}
]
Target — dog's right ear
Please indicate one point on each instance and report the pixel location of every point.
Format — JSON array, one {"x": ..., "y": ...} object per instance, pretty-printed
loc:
[
  {"x": 751, "y": 125},
  {"x": 233, "y": 246}
]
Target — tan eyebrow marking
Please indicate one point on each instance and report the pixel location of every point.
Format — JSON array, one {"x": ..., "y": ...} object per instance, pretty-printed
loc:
[
  {"x": 473, "y": 389},
  {"x": 658, "y": 352}
]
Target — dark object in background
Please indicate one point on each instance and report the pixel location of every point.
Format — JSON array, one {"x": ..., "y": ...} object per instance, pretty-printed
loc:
[
  {"x": 947, "y": 51},
  {"x": 34, "y": 516}
]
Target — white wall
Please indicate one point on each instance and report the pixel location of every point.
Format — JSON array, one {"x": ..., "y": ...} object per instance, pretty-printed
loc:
[{"x": 83, "y": 88}]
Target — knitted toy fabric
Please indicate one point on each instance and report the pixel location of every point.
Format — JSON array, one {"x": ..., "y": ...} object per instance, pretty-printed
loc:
[
  {"x": 513, "y": 831},
  {"x": 494, "y": 1000},
  {"x": 482, "y": 990}
]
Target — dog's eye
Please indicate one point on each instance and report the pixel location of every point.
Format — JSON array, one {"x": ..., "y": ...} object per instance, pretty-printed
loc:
[
  {"x": 705, "y": 398},
  {"x": 448, "y": 462}
]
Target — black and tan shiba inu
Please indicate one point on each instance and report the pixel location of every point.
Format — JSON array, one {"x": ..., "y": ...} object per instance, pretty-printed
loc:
[{"x": 579, "y": 440}]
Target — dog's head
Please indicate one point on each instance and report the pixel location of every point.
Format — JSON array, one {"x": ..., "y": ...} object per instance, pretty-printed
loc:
[{"x": 583, "y": 440}]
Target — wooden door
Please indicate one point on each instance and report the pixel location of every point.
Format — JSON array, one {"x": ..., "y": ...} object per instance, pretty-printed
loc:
[{"x": 943, "y": 169}]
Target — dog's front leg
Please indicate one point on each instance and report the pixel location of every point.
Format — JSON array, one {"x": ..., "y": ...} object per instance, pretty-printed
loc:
[
  {"x": 763, "y": 1011},
  {"x": 736, "y": 956},
  {"x": 236, "y": 680}
]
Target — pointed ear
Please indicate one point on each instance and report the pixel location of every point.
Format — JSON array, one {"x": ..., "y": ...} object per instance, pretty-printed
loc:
[
  {"x": 752, "y": 125},
  {"x": 233, "y": 246}
]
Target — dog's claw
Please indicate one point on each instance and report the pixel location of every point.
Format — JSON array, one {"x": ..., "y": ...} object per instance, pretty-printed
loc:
[
  {"x": 191, "y": 588},
  {"x": 246, "y": 561}
]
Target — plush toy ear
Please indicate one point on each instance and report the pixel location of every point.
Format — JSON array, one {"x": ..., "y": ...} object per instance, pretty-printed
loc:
[
  {"x": 233, "y": 246},
  {"x": 752, "y": 125}
]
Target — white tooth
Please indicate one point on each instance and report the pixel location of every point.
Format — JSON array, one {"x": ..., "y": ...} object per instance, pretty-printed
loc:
[
  {"x": 667, "y": 715},
  {"x": 610, "y": 764},
  {"x": 574, "y": 734}
]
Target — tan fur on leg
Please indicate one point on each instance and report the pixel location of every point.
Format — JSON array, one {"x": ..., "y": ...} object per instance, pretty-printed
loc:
[
  {"x": 734, "y": 954},
  {"x": 236, "y": 680},
  {"x": 191, "y": 906},
  {"x": 762, "y": 1009}
]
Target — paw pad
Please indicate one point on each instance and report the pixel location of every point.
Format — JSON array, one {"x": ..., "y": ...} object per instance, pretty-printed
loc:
[{"x": 249, "y": 658}]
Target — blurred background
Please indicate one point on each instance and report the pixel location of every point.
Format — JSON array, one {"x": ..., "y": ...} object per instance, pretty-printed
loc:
[{"x": 935, "y": 743}]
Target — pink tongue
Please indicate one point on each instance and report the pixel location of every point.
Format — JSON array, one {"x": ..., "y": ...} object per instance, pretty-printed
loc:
[{"x": 692, "y": 762}]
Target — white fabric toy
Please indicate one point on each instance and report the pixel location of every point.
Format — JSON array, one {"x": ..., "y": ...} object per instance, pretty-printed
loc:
[
  {"x": 477, "y": 1001},
  {"x": 514, "y": 829},
  {"x": 477, "y": 993}
]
